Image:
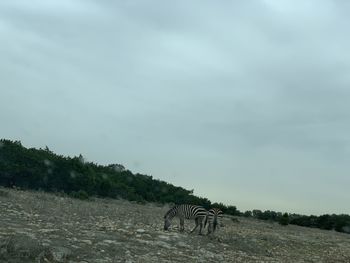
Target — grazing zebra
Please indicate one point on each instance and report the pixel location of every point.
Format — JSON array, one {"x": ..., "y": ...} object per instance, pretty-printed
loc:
[
  {"x": 183, "y": 212},
  {"x": 214, "y": 214}
]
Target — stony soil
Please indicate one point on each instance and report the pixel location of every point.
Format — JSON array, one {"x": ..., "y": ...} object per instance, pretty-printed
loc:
[{"x": 41, "y": 227}]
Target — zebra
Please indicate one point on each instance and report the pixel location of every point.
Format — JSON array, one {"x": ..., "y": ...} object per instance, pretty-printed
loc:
[
  {"x": 183, "y": 212},
  {"x": 214, "y": 214}
]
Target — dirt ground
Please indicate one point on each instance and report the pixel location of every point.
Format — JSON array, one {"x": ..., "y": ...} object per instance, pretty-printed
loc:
[{"x": 40, "y": 227}]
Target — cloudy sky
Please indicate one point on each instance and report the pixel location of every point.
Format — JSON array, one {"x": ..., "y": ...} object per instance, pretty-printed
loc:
[{"x": 246, "y": 102}]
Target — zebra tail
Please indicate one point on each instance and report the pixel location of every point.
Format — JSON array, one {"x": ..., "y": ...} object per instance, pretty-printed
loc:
[{"x": 205, "y": 221}]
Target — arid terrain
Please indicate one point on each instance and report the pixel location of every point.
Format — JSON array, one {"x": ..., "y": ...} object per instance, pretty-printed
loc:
[{"x": 41, "y": 227}]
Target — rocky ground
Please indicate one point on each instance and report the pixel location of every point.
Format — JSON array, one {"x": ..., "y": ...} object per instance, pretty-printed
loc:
[{"x": 41, "y": 227}]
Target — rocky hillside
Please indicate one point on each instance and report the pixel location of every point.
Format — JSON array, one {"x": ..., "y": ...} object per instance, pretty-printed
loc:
[{"x": 41, "y": 227}]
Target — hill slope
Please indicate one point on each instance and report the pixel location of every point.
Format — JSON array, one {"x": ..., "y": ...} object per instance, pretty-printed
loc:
[
  {"x": 42, "y": 227},
  {"x": 41, "y": 169}
]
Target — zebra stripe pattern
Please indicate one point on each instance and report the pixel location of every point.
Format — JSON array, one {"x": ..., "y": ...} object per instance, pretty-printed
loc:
[
  {"x": 183, "y": 212},
  {"x": 214, "y": 215}
]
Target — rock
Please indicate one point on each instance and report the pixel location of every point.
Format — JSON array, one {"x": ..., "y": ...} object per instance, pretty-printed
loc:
[
  {"x": 86, "y": 241},
  {"x": 140, "y": 231},
  {"x": 211, "y": 255},
  {"x": 111, "y": 242},
  {"x": 55, "y": 255},
  {"x": 3, "y": 252},
  {"x": 164, "y": 237},
  {"x": 60, "y": 254},
  {"x": 123, "y": 231},
  {"x": 20, "y": 246},
  {"x": 182, "y": 244},
  {"x": 162, "y": 244}
]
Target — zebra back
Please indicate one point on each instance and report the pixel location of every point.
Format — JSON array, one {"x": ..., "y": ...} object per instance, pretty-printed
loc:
[{"x": 187, "y": 211}]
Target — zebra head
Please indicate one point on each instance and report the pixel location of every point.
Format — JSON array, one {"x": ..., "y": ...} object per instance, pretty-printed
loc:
[
  {"x": 167, "y": 223},
  {"x": 168, "y": 216}
]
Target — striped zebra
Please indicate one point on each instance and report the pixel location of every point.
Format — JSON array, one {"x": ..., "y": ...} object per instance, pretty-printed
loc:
[
  {"x": 214, "y": 214},
  {"x": 183, "y": 212}
]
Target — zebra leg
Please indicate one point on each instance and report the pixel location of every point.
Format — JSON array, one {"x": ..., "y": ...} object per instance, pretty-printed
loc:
[
  {"x": 209, "y": 228},
  {"x": 182, "y": 224},
  {"x": 200, "y": 226},
  {"x": 196, "y": 220},
  {"x": 214, "y": 226}
]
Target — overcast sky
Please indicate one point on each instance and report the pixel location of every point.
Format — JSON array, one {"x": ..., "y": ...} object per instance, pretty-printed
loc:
[{"x": 246, "y": 102}]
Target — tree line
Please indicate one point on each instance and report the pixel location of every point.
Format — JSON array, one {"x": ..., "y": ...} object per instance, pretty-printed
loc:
[
  {"x": 340, "y": 223},
  {"x": 41, "y": 169}
]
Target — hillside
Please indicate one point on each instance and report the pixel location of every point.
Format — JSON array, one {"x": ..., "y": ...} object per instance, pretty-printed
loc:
[
  {"x": 42, "y": 227},
  {"x": 41, "y": 169}
]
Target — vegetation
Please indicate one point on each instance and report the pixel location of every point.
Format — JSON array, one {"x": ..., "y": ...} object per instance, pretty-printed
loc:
[
  {"x": 41, "y": 169},
  {"x": 284, "y": 219},
  {"x": 340, "y": 223}
]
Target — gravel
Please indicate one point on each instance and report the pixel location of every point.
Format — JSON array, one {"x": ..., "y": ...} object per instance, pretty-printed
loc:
[{"x": 41, "y": 227}]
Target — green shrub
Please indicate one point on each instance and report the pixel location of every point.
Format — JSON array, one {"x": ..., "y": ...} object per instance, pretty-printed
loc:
[
  {"x": 4, "y": 193},
  {"x": 81, "y": 194},
  {"x": 284, "y": 219}
]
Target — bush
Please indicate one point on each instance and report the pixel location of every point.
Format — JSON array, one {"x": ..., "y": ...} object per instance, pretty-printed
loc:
[
  {"x": 4, "y": 193},
  {"x": 284, "y": 219},
  {"x": 247, "y": 214},
  {"x": 81, "y": 194}
]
